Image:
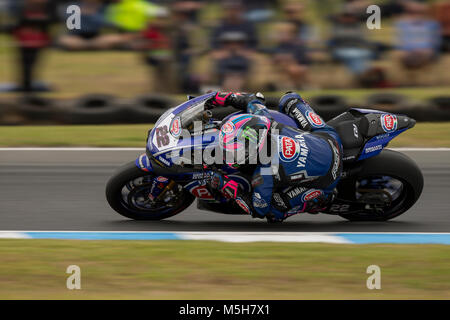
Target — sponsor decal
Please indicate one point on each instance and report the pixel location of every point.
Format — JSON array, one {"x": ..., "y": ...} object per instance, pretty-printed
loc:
[
  {"x": 304, "y": 151},
  {"x": 300, "y": 118},
  {"x": 228, "y": 127},
  {"x": 289, "y": 149},
  {"x": 175, "y": 127},
  {"x": 382, "y": 136},
  {"x": 339, "y": 208},
  {"x": 389, "y": 122},
  {"x": 355, "y": 131},
  {"x": 162, "y": 179},
  {"x": 295, "y": 192},
  {"x": 250, "y": 134},
  {"x": 201, "y": 175},
  {"x": 258, "y": 201},
  {"x": 201, "y": 192},
  {"x": 164, "y": 161},
  {"x": 335, "y": 168},
  {"x": 314, "y": 119},
  {"x": 348, "y": 158},
  {"x": 311, "y": 195},
  {"x": 374, "y": 148},
  {"x": 241, "y": 203}
]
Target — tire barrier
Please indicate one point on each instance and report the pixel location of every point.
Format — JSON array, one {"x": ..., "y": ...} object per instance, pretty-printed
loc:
[
  {"x": 148, "y": 108},
  {"x": 441, "y": 102},
  {"x": 4, "y": 109},
  {"x": 386, "y": 100},
  {"x": 37, "y": 108},
  {"x": 93, "y": 109},
  {"x": 425, "y": 112},
  {"x": 107, "y": 109},
  {"x": 329, "y": 106}
]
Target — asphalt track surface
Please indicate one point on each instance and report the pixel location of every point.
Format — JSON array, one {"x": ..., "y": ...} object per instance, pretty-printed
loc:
[{"x": 64, "y": 190}]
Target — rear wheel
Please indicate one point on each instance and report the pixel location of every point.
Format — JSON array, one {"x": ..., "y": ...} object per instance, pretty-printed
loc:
[
  {"x": 127, "y": 193},
  {"x": 388, "y": 185}
]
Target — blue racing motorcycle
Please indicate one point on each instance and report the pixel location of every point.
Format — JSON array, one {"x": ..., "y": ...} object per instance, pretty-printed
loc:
[{"x": 377, "y": 184}]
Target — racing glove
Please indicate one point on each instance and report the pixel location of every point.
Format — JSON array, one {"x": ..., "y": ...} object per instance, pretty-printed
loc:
[
  {"x": 237, "y": 100},
  {"x": 227, "y": 187},
  {"x": 230, "y": 189}
]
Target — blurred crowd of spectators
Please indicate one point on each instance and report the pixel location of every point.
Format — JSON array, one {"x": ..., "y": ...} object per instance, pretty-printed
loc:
[{"x": 245, "y": 39}]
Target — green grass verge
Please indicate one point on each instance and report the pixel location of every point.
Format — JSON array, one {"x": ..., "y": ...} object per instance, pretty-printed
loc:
[
  {"x": 423, "y": 135},
  {"x": 33, "y": 269},
  {"x": 70, "y": 136}
]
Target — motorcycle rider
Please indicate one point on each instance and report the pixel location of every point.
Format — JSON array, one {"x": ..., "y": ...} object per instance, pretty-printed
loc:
[{"x": 308, "y": 158}]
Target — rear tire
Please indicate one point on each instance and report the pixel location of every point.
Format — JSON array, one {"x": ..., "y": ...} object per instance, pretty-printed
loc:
[
  {"x": 123, "y": 176},
  {"x": 398, "y": 166}
]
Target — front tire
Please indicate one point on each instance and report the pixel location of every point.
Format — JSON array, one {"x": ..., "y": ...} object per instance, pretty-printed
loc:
[
  {"x": 388, "y": 164},
  {"x": 131, "y": 179}
]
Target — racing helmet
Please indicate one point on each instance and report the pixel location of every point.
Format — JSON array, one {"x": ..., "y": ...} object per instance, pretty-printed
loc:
[{"x": 242, "y": 137}]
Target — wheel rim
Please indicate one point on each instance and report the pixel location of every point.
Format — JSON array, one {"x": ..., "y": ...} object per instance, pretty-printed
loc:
[
  {"x": 383, "y": 195},
  {"x": 134, "y": 197}
]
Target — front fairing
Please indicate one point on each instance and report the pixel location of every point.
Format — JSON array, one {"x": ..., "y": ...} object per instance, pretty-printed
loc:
[{"x": 166, "y": 139}]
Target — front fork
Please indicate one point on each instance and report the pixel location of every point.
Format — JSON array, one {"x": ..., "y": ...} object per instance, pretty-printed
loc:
[{"x": 159, "y": 185}]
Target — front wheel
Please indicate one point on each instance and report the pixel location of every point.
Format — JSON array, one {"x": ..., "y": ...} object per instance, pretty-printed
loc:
[
  {"x": 388, "y": 185},
  {"x": 127, "y": 193}
]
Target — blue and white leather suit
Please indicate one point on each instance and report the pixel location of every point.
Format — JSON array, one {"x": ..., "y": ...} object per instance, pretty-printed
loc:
[{"x": 309, "y": 161}]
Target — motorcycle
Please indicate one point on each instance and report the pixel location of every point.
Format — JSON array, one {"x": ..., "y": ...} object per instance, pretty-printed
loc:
[{"x": 377, "y": 184}]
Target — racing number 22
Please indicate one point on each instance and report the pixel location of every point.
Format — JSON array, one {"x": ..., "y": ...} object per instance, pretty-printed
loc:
[{"x": 162, "y": 136}]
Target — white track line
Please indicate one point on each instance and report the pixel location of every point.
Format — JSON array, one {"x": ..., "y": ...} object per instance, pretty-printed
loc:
[
  {"x": 273, "y": 233},
  {"x": 142, "y": 149}
]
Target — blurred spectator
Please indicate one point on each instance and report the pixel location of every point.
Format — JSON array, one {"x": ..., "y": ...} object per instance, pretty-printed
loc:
[
  {"x": 232, "y": 61},
  {"x": 190, "y": 8},
  {"x": 442, "y": 15},
  {"x": 418, "y": 36},
  {"x": 260, "y": 10},
  {"x": 391, "y": 8},
  {"x": 348, "y": 43},
  {"x": 234, "y": 21},
  {"x": 357, "y": 8},
  {"x": 159, "y": 55},
  {"x": 184, "y": 30},
  {"x": 92, "y": 17},
  {"x": 177, "y": 51},
  {"x": 31, "y": 34},
  {"x": 125, "y": 18},
  {"x": 290, "y": 56},
  {"x": 293, "y": 13}
]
